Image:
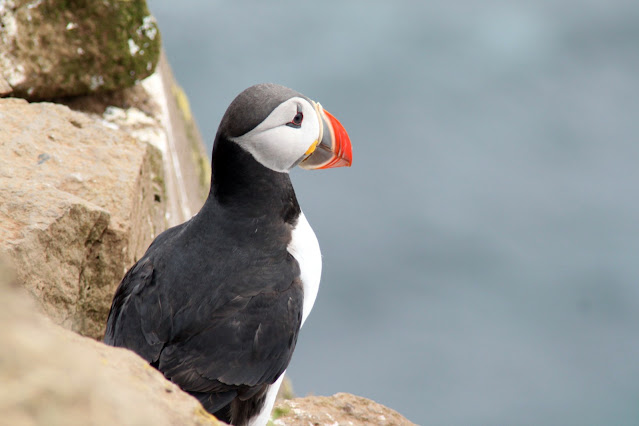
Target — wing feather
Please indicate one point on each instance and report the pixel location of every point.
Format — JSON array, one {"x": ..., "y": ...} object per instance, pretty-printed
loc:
[{"x": 226, "y": 325}]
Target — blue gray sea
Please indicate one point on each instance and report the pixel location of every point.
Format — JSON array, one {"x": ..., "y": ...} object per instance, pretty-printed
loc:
[{"x": 481, "y": 257}]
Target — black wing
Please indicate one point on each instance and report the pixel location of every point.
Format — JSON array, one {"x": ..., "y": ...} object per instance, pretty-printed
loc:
[
  {"x": 137, "y": 320},
  {"x": 250, "y": 345},
  {"x": 206, "y": 340}
]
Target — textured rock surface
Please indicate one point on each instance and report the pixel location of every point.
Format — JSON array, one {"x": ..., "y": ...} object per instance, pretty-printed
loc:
[
  {"x": 157, "y": 112},
  {"x": 177, "y": 113},
  {"x": 339, "y": 409},
  {"x": 51, "y": 48},
  {"x": 51, "y": 376},
  {"x": 79, "y": 202}
]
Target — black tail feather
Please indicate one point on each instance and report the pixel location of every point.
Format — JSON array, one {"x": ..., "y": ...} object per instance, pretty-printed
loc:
[{"x": 218, "y": 404}]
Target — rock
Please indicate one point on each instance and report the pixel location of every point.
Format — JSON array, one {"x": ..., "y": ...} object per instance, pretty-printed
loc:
[
  {"x": 188, "y": 146},
  {"x": 79, "y": 203},
  {"x": 51, "y": 376},
  {"x": 339, "y": 409},
  {"x": 5, "y": 88},
  {"x": 83, "y": 194},
  {"x": 157, "y": 112},
  {"x": 54, "y": 48}
]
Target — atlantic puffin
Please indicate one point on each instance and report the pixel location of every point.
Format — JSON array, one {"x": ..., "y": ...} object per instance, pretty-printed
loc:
[{"x": 216, "y": 303}]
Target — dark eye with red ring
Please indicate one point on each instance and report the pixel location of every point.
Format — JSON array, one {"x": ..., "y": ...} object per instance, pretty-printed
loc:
[{"x": 297, "y": 120}]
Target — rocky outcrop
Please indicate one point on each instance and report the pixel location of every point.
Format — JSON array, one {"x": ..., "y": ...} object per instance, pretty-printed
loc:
[
  {"x": 53, "y": 48},
  {"x": 157, "y": 112},
  {"x": 339, "y": 409},
  {"x": 83, "y": 193},
  {"x": 51, "y": 376},
  {"x": 80, "y": 202}
]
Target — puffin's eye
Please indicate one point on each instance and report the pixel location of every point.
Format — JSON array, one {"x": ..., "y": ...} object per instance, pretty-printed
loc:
[{"x": 297, "y": 120}]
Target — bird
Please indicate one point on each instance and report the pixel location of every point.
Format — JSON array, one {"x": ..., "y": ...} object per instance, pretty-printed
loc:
[{"x": 216, "y": 303}]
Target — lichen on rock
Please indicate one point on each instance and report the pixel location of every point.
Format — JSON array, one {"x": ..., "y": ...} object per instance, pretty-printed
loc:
[{"x": 56, "y": 48}]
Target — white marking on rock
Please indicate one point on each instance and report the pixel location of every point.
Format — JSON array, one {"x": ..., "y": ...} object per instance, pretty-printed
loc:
[
  {"x": 12, "y": 71},
  {"x": 154, "y": 85},
  {"x": 133, "y": 48},
  {"x": 138, "y": 124},
  {"x": 96, "y": 81},
  {"x": 77, "y": 177},
  {"x": 147, "y": 28},
  {"x": 34, "y": 4},
  {"x": 110, "y": 125},
  {"x": 14, "y": 74}
]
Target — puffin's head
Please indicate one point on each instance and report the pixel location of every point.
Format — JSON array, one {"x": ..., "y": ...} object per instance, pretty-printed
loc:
[{"x": 282, "y": 128}]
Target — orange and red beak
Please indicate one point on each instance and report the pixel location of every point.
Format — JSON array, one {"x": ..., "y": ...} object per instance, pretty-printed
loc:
[{"x": 333, "y": 147}]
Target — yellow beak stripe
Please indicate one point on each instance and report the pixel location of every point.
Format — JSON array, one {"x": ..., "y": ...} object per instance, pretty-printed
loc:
[{"x": 310, "y": 150}]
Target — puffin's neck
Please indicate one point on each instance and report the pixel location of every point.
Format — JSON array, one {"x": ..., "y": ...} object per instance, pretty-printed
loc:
[{"x": 246, "y": 187}]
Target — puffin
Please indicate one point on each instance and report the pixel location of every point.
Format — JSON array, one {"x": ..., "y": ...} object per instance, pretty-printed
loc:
[{"x": 216, "y": 303}]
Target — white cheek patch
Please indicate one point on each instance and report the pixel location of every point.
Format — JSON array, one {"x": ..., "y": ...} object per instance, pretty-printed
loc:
[
  {"x": 278, "y": 146},
  {"x": 274, "y": 147}
]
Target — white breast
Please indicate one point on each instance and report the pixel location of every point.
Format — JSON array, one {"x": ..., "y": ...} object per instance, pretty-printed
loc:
[{"x": 305, "y": 249}]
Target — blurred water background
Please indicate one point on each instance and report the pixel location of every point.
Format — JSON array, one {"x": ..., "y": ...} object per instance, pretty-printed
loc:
[{"x": 481, "y": 257}]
